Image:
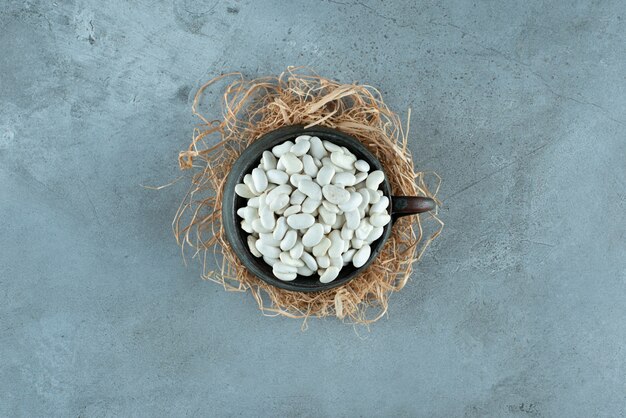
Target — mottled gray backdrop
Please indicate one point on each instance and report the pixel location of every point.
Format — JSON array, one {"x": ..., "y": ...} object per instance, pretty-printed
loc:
[{"x": 519, "y": 309}]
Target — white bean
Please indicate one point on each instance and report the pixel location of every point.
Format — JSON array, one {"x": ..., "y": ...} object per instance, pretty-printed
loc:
[
  {"x": 364, "y": 229},
  {"x": 325, "y": 175},
  {"x": 252, "y": 246},
  {"x": 247, "y": 180},
  {"x": 365, "y": 195},
  {"x": 313, "y": 235},
  {"x": 357, "y": 243},
  {"x": 247, "y": 213},
  {"x": 328, "y": 217},
  {"x": 270, "y": 261},
  {"x": 321, "y": 248},
  {"x": 282, "y": 149},
  {"x": 330, "y": 206},
  {"x": 281, "y": 229},
  {"x": 336, "y": 261},
  {"x": 281, "y": 201},
  {"x": 336, "y": 244},
  {"x": 268, "y": 161},
  {"x": 286, "y": 277},
  {"x": 326, "y": 161},
  {"x": 352, "y": 219},
  {"x": 258, "y": 227},
  {"x": 267, "y": 250},
  {"x": 374, "y": 197},
  {"x": 347, "y": 256},
  {"x": 310, "y": 205},
  {"x": 291, "y": 162},
  {"x": 309, "y": 260},
  {"x": 344, "y": 179},
  {"x": 380, "y": 206},
  {"x": 348, "y": 153},
  {"x": 267, "y": 217},
  {"x": 296, "y": 178},
  {"x": 292, "y": 210},
  {"x": 374, "y": 179},
  {"x": 259, "y": 179},
  {"x": 317, "y": 148},
  {"x": 297, "y": 198},
  {"x": 353, "y": 203},
  {"x": 284, "y": 268},
  {"x": 305, "y": 271},
  {"x": 300, "y": 221},
  {"x": 289, "y": 240},
  {"x": 347, "y": 233},
  {"x": 327, "y": 229},
  {"x": 303, "y": 138},
  {"x": 323, "y": 261},
  {"x": 254, "y": 202},
  {"x": 244, "y": 191},
  {"x": 341, "y": 219},
  {"x": 361, "y": 256},
  {"x": 331, "y": 147},
  {"x": 247, "y": 227},
  {"x": 380, "y": 219},
  {"x": 358, "y": 179},
  {"x": 375, "y": 234},
  {"x": 282, "y": 189},
  {"x": 297, "y": 250},
  {"x": 330, "y": 274},
  {"x": 300, "y": 148},
  {"x": 335, "y": 194},
  {"x": 311, "y": 189},
  {"x": 286, "y": 259},
  {"x": 362, "y": 166},
  {"x": 277, "y": 176},
  {"x": 250, "y": 214},
  {"x": 268, "y": 239},
  {"x": 310, "y": 168},
  {"x": 342, "y": 160}
]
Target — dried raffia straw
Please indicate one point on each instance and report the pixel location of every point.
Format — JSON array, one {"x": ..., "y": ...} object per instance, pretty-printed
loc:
[{"x": 252, "y": 108}]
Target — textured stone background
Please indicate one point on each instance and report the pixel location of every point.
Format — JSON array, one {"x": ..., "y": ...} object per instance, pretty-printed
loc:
[{"x": 519, "y": 309}]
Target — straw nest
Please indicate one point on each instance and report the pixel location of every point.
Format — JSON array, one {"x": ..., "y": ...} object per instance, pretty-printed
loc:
[{"x": 252, "y": 108}]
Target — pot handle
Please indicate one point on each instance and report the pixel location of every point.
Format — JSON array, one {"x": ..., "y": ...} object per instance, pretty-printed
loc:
[{"x": 410, "y": 205}]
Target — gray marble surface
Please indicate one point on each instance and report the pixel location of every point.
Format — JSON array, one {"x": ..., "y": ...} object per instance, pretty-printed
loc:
[{"x": 519, "y": 309}]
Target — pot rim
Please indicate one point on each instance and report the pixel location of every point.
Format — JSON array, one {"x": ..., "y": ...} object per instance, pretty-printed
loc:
[{"x": 237, "y": 238}]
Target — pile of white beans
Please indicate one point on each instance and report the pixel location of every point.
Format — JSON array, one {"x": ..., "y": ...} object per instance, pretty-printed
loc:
[{"x": 312, "y": 207}]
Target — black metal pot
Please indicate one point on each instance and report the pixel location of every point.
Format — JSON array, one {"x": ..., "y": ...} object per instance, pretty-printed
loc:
[{"x": 249, "y": 159}]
